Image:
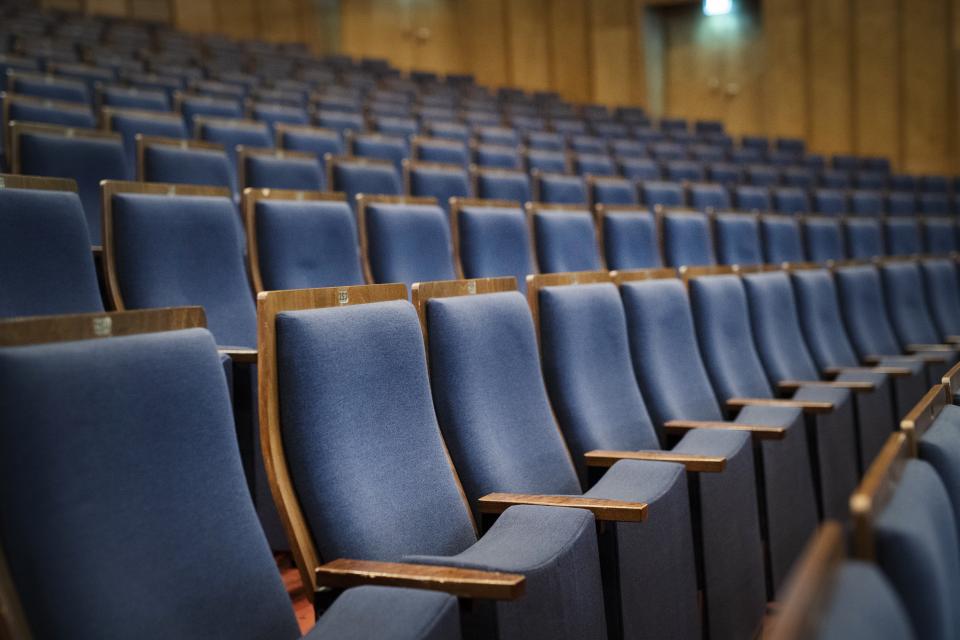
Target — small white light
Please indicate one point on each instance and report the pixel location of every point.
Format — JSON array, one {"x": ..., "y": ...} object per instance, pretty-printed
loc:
[{"x": 717, "y": 7}]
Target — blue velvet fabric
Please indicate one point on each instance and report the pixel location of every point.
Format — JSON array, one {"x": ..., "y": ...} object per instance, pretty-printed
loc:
[
  {"x": 595, "y": 164},
  {"x": 626, "y": 148},
  {"x": 933, "y": 204},
  {"x": 449, "y": 131},
  {"x": 613, "y": 190},
  {"x": 738, "y": 239},
  {"x": 389, "y": 613},
  {"x": 208, "y": 107},
  {"x": 408, "y": 243},
  {"x": 902, "y": 236},
  {"x": 587, "y": 144},
  {"x": 639, "y": 168},
  {"x": 686, "y": 239},
  {"x": 942, "y": 288},
  {"x": 866, "y": 203},
  {"x": 781, "y": 239},
  {"x": 830, "y": 202},
  {"x": 173, "y": 251},
  {"x": 45, "y": 255},
  {"x": 666, "y": 194},
  {"x": 339, "y": 121},
  {"x": 49, "y": 87},
  {"x": 274, "y": 114},
  {"x": 373, "y": 145},
  {"x": 705, "y": 196},
  {"x": 173, "y": 165},
  {"x": 753, "y": 198},
  {"x": 630, "y": 240},
  {"x": 353, "y": 178},
  {"x": 312, "y": 140},
  {"x": 555, "y": 188},
  {"x": 901, "y": 203},
  {"x": 667, "y": 151},
  {"x": 565, "y": 241},
  {"x": 277, "y": 172},
  {"x": 835, "y": 179},
  {"x": 441, "y": 183},
  {"x": 916, "y": 546},
  {"x": 504, "y": 185},
  {"x": 442, "y": 151},
  {"x": 502, "y": 136},
  {"x": 871, "y": 180},
  {"x": 546, "y": 161},
  {"x": 940, "y": 236},
  {"x": 495, "y": 241},
  {"x": 132, "y": 98},
  {"x": 129, "y": 124},
  {"x": 32, "y": 111},
  {"x": 907, "y": 303},
  {"x": 725, "y": 173},
  {"x": 139, "y": 512},
  {"x": 864, "y": 238},
  {"x": 761, "y": 175},
  {"x": 86, "y": 160},
  {"x": 791, "y": 200},
  {"x": 865, "y": 311},
  {"x": 863, "y": 606},
  {"x": 231, "y": 133},
  {"x": 823, "y": 238},
  {"x": 685, "y": 170},
  {"x": 940, "y": 446},
  {"x": 496, "y": 156},
  {"x": 800, "y": 177},
  {"x": 307, "y": 244},
  {"x": 545, "y": 141}
]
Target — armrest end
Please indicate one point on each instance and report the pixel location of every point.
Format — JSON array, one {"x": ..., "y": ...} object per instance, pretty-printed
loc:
[
  {"x": 602, "y": 508},
  {"x": 707, "y": 464},
  {"x": 757, "y": 431},
  {"x": 807, "y": 406},
  {"x": 856, "y": 386},
  {"x": 240, "y": 355}
]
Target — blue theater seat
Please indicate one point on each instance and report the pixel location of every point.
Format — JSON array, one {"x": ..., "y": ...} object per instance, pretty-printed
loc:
[
  {"x": 687, "y": 240},
  {"x": 901, "y": 203},
  {"x": 266, "y": 168},
  {"x": 396, "y": 126},
  {"x": 339, "y": 121},
  {"x": 589, "y": 145},
  {"x": 130, "y": 122},
  {"x": 274, "y": 114},
  {"x": 942, "y": 289},
  {"x": 132, "y": 98},
  {"x": 193, "y": 106},
  {"x": 499, "y": 136},
  {"x": 752, "y": 198},
  {"x": 315, "y": 140},
  {"x": 554, "y": 188},
  {"x": 903, "y": 182},
  {"x": 870, "y": 180},
  {"x": 638, "y": 168},
  {"x": 501, "y": 184},
  {"x": 902, "y": 236},
  {"x": 624, "y": 148},
  {"x": 664, "y": 194},
  {"x": 545, "y": 161},
  {"x": 685, "y": 170},
  {"x": 667, "y": 151},
  {"x": 448, "y": 130},
  {"x": 791, "y": 200},
  {"x": 830, "y": 202},
  {"x": 354, "y": 176},
  {"x": 593, "y": 164},
  {"x": 933, "y": 204},
  {"x": 909, "y": 307},
  {"x": 866, "y": 203},
  {"x": 864, "y": 238},
  {"x": 725, "y": 173},
  {"x": 738, "y": 239},
  {"x": 439, "y": 181},
  {"x": 493, "y": 240},
  {"x": 565, "y": 239},
  {"x": 18, "y": 108},
  {"x": 49, "y": 87},
  {"x": 612, "y": 190},
  {"x": 543, "y": 141},
  {"x": 823, "y": 239},
  {"x": 629, "y": 236},
  {"x": 496, "y": 156},
  {"x": 44, "y": 249},
  {"x": 782, "y": 242},
  {"x": 761, "y": 175},
  {"x": 800, "y": 177},
  {"x": 374, "y": 145},
  {"x": 706, "y": 197},
  {"x": 835, "y": 179},
  {"x": 440, "y": 150},
  {"x": 939, "y": 235},
  {"x": 232, "y": 133}
]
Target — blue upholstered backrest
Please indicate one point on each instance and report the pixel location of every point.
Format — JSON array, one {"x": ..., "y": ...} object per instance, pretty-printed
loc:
[
  {"x": 49, "y": 87},
  {"x": 916, "y": 545},
  {"x": 596, "y": 164},
  {"x": 231, "y": 133},
  {"x": 316, "y": 141},
  {"x": 907, "y": 303},
  {"x": 831, "y": 202},
  {"x": 726, "y": 173},
  {"x": 864, "y": 238},
  {"x": 791, "y": 200},
  {"x": 865, "y": 310},
  {"x": 752, "y": 198},
  {"x": 738, "y": 239},
  {"x": 823, "y": 238},
  {"x": 680, "y": 170},
  {"x": 408, "y": 243},
  {"x": 565, "y": 241},
  {"x": 132, "y": 98},
  {"x": 29, "y": 110},
  {"x": 361, "y": 437},
  {"x": 835, "y": 179},
  {"x": 801, "y": 177},
  {"x": 122, "y": 486},
  {"x": 274, "y": 114},
  {"x": 441, "y": 183},
  {"x": 940, "y": 446},
  {"x": 353, "y": 178},
  {"x": 942, "y": 287},
  {"x": 871, "y": 180},
  {"x": 490, "y": 397},
  {"x": 498, "y": 135},
  {"x": 194, "y": 106},
  {"x": 545, "y": 141},
  {"x": 630, "y": 240},
  {"x": 86, "y": 160},
  {"x": 639, "y": 168},
  {"x": 686, "y": 239},
  {"x": 587, "y": 144},
  {"x": 546, "y": 161},
  {"x": 781, "y": 239},
  {"x": 666, "y": 358},
  {"x": 497, "y": 156},
  {"x": 901, "y": 203},
  {"x": 504, "y": 185},
  {"x": 709, "y": 196},
  {"x": 173, "y": 165},
  {"x": 862, "y": 605},
  {"x": 722, "y": 318},
  {"x": 442, "y": 151},
  {"x": 934, "y": 204},
  {"x": 940, "y": 235},
  {"x": 45, "y": 255},
  {"x": 775, "y": 321},
  {"x": 307, "y": 244},
  {"x": 494, "y": 241},
  {"x": 902, "y": 236},
  {"x": 372, "y": 145},
  {"x": 129, "y": 124},
  {"x": 866, "y": 203},
  {"x": 339, "y": 120},
  {"x": 278, "y": 172},
  {"x": 173, "y": 251},
  {"x": 616, "y": 191},
  {"x": 449, "y": 130},
  {"x": 763, "y": 175},
  {"x": 587, "y": 367},
  {"x": 555, "y": 188},
  {"x": 821, "y": 319},
  {"x": 667, "y": 194}
]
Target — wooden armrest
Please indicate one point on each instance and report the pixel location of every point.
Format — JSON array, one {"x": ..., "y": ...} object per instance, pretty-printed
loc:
[
  {"x": 708, "y": 464},
  {"x": 464, "y": 583},
  {"x": 916, "y": 357},
  {"x": 757, "y": 431},
  {"x": 893, "y": 372},
  {"x": 602, "y": 508},
  {"x": 915, "y": 348},
  {"x": 953, "y": 340},
  {"x": 808, "y": 406},
  {"x": 241, "y": 355},
  {"x": 858, "y": 386}
]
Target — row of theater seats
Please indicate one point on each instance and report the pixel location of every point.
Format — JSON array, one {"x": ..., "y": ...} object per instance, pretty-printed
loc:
[
  {"x": 698, "y": 427},
  {"x": 900, "y": 581}
]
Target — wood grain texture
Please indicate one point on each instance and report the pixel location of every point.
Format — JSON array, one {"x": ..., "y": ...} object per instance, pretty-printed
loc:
[
  {"x": 571, "y": 45},
  {"x": 464, "y": 583},
  {"x": 639, "y": 275},
  {"x": 708, "y": 464},
  {"x": 756, "y": 431},
  {"x": 88, "y": 326},
  {"x": 601, "y": 508},
  {"x": 830, "y": 73},
  {"x": 785, "y": 96},
  {"x": 13, "y": 181},
  {"x": 807, "y": 406},
  {"x": 874, "y": 493},
  {"x": 876, "y": 78},
  {"x": 197, "y": 16},
  {"x": 528, "y": 44},
  {"x": 484, "y": 32},
  {"x": 922, "y": 416}
]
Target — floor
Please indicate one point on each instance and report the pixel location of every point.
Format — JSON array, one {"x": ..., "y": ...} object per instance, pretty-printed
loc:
[{"x": 298, "y": 596}]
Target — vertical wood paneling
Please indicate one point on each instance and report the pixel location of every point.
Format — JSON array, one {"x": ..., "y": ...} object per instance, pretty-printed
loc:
[
  {"x": 153, "y": 10},
  {"x": 107, "y": 7},
  {"x": 570, "y": 69},
  {"x": 484, "y": 38},
  {"x": 876, "y": 72},
  {"x": 693, "y": 65},
  {"x": 441, "y": 50},
  {"x": 527, "y": 42},
  {"x": 238, "y": 18},
  {"x": 926, "y": 86},
  {"x": 377, "y": 28},
  {"x": 199, "y": 16},
  {"x": 784, "y": 23},
  {"x": 829, "y": 29},
  {"x": 281, "y": 20},
  {"x": 613, "y": 60}
]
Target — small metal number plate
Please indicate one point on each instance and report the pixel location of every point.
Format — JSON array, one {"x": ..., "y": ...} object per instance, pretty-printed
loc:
[
  {"x": 472, "y": 287},
  {"x": 343, "y": 296},
  {"x": 102, "y": 327}
]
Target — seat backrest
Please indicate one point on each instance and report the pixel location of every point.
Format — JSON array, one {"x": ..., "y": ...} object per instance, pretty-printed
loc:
[
  {"x": 175, "y": 245},
  {"x": 440, "y": 181},
  {"x": 339, "y": 121},
  {"x": 687, "y": 240},
  {"x": 864, "y": 307},
  {"x": 545, "y": 141},
  {"x": 665, "y": 194},
  {"x": 639, "y": 168},
  {"x": 315, "y": 140},
  {"x": 490, "y": 396},
  {"x": 801, "y": 177},
  {"x": 933, "y": 204},
  {"x": 173, "y": 161},
  {"x": 612, "y": 191},
  {"x": 498, "y": 156},
  {"x": 353, "y": 176},
  {"x": 725, "y": 173},
  {"x": 830, "y": 202},
  {"x": 866, "y": 203},
  {"x": 836, "y": 179},
  {"x": 588, "y": 144},
  {"x": 546, "y": 161},
  {"x": 781, "y": 239},
  {"x": 196, "y": 106},
  {"x": 737, "y": 238},
  {"x": 405, "y": 240},
  {"x": 502, "y": 184},
  {"x": 594, "y": 164},
  {"x": 666, "y": 358},
  {"x": 752, "y": 198},
  {"x": 864, "y": 238},
  {"x": 85, "y": 156},
  {"x": 48, "y": 86},
  {"x": 705, "y": 196},
  {"x": 374, "y": 145},
  {"x": 630, "y": 239},
  {"x": 821, "y": 319},
  {"x": 901, "y": 203},
  {"x": 44, "y": 249},
  {"x": 129, "y": 122},
  {"x": 492, "y": 239},
  {"x": 902, "y": 236},
  {"x": 300, "y": 240},
  {"x": 555, "y": 188},
  {"x": 266, "y": 168},
  {"x": 763, "y": 175},
  {"x": 274, "y": 114},
  {"x": 871, "y": 180},
  {"x": 232, "y": 133},
  {"x": 128, "y": 421},
  {"x": 791, "y": 200},
  {"x": 823, "y": 239},
  {"x": 18, "y": 108},
  {"x": 942, "y": 287},
  {"x": 439, "y": 150},
  {"x": 565, "y": 239},
  {"x": 685, "y": 170},
  {"x": 132, "y": 98},
  {"x": 907, "y": 303}
]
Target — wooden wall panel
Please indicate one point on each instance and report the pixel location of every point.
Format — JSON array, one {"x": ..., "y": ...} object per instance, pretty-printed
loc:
[
  {"x": 282, "y": 20},
  {"x": 784, "y": 23},
  {"x": 692, "y": 66},
  {"x": 614, "y": 59},
  {"x": 377, "y": 28},
  {"x": 528, "y": 58},
  {"x": 153, "y": 10},
  {"x": 570, "y": 60},
  {"x": 106, "y": 7},
  {"x": 484, "y": 37},
  {"x": 876, "y": 71},
  {"x": 198, "y": 16},
  {"x": 925, "y": 86},
  {"x": 439, "y": 49},
  {"x": 238, "y": 18},
  {"x": 829, "y": 31}
]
